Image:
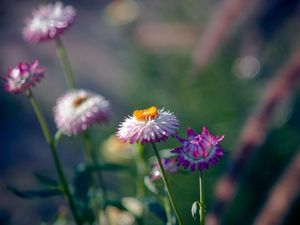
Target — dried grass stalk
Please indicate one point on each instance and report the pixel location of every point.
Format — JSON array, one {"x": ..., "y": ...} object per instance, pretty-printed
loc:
[
  {"x": 282, "y": 195},
  {"x": 253, "y": 134}
]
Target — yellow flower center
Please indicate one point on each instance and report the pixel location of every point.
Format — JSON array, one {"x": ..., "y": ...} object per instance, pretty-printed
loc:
[
  {"x": 78, "y": 101},
  {"x": 145, "y": 114}
]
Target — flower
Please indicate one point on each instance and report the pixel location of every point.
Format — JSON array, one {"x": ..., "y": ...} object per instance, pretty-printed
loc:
[
  {"x": 116, "y": 216},
  {"x": 133, "y": 205},
  {"x": 169, "y": 165},
  {"x": 148, "y": 125},
  {"x": 48, "y": 22},
  {"x": 199, "y": 151},
  {"x": 114, "y": 150},
  {"x": 23, "y": 76},
  {"x": 77, "y": 110}
]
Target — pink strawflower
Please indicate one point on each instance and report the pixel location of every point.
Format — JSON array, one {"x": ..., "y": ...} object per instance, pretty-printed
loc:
[
  {"x": 170, "y": 165},
  {"x": 199, "y": 151},
  {"x": 23, "y": 76},
  {"x": 77, "y": 110},
  {"x": 148, "y": 125},
  {"x": 48, "y": 22}
]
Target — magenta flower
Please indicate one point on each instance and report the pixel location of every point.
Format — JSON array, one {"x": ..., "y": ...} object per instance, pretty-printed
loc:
[
  {"x": 169, "y": 164},
  {"x": 148, "y": 125},
  {"x": 48, "y": 22},
  {"x": 77, "y": 110},
  {"x": 199, "y": 151},
  {"x": 22, "y": 77}
]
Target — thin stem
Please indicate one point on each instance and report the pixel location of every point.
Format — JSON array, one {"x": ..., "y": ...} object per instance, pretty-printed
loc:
[
  {"x": 62, "y": 55},
  {"x": 88, "y": 149},
  {"x": 92, "y": 161},
  {"x": 57, "y": 162},
  {"x": 140, "y": 173},
  {"x": 57, "y": 137},
  {"x": 202, "y": 204},
  {"x": 167, "y": 185},
  {"x": 65, "y": 186},
  {"x": 40, "y": 117},
  {"x": 140, "y": 166}
]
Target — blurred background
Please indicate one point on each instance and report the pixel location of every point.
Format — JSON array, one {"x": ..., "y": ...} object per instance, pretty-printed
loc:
[{"x": 208, "y": 61}]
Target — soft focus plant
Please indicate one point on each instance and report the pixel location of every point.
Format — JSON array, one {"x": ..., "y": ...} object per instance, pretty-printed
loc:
[
  {"x": 76, "y": 111},
  {"x": 117, "y": 180},
  {"x": 199, "y": 152}
]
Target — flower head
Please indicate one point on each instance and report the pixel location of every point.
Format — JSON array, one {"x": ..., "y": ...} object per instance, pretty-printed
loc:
[
  {"x": 169, "y": 164},
  {"x": 199, "y": 151},
  {"x": 48, "y": 22},
  {"x": 114, "y": 150},
  {"x": 23, "y": 76},
  {"x": 148, "y": 125},
  {"x": 117, "y": 216},
  {"x": 77, "y": 110}
]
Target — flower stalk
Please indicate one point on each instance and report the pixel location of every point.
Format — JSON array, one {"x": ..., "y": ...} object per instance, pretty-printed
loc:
[
  {"x": 50, "y": 141},
  {"x": 202, "y": 204},
  {"x": 62, "y": 55},
  {"x": 140, "y": 167},
  {"x": 91, "y": 159},
  {"x": 167, "y": 185}
]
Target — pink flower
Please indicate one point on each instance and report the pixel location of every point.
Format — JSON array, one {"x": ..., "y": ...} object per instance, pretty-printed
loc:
[
  {"x": 48, "y": 22},
  {"x": 199, "y": 151},
  {"x": 148, "y": 125},
  {"x": 77, "y": 110},
  {"x": 23, "y": 76},
  {"x": 169, "y": 165}
]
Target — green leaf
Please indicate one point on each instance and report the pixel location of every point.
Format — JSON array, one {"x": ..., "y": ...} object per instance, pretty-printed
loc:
[
  {"x": 30, "y": 194},
  {"x": 46, "y": 180}
]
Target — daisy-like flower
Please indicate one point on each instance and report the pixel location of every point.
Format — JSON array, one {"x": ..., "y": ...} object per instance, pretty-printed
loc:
[
  {"x": 48, "y": 22},
  {"x": 148, "y": 125},
  {"x": 23, "y": 76},
  {"x": 77, "y": 110},
  {"x": 199, "y": 151},
  {"x": 170, "y": 165}
]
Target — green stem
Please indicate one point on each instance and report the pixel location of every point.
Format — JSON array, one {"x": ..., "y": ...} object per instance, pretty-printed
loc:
[
  {"x": 140, "y": 166},
  {"x": 92, "y": 161},
  {"x": 65, "y": 185},
  {"x": 88, "y": 149},
  {"x": 167, "y": 185},
  {"x": 57, "y": 162},
  {"x": 57, "y": 137},
  {"x": 40, "y": 117},
  {"x": 202, "y": 204},
  {"x": 140, "y": 172},
  {"x": 62, "y": 55}
]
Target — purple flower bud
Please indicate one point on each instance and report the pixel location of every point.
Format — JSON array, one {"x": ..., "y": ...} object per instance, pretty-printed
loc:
[{"x": 199, "y": 151}]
